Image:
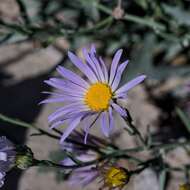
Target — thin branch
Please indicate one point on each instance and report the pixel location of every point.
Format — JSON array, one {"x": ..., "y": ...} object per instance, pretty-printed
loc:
[
  {"x": 26, "y": 125},
  {"x": 133, "y": 18}
]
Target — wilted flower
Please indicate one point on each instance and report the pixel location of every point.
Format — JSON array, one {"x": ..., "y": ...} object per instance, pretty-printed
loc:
[
  {"x": 92, "y": 99},
  {"x": 7, "y": 157},
  {"x": 114, "y": 177},
  {"x": 185, "y": 186}
]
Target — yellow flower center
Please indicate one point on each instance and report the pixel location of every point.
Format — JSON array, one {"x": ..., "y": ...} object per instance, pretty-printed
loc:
[
  {"x": 98, "y": 97},
  {"x": 116, "y": 177},
  {"x": 184, "y": 187}
]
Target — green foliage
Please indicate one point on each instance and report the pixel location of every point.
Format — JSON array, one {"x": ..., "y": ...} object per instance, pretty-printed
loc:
[
  {"x": 177, "y": 13},
  {"x": 142, "y": 60},
  {"x": 163, "y": 179},
  {"x": 184, "y": 118}
]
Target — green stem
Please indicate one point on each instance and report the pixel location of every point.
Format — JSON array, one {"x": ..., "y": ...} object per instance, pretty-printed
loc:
[
  {"x": 144, "y": 21},
  {"x": 133, "y": 128},
  {"x": 26, "y": 125},
  {"x": 44, "y": 132},
  {"x": 169, "y": 145},
  {"x": 184, "y": 118},
  {"x": 137, "y": 133},
  {"x": 177, "y": 169},
  {"x": 157, "y": 27},
  {"x": 16, "y": 28},
  {"x": 149, "y": 163},
  {"x": 48, "y": 163},
  {"x": 155, "y": 147},
  {"x": 73, "y": 158},
  {"x": 99, "y": 25}
]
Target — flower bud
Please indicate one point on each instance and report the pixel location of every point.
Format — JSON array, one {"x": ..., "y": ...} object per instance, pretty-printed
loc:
[{"x": 24, "y": 158}]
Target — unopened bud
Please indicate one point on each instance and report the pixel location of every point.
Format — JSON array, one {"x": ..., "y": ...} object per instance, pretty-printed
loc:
[
  {"x": 24, "y": 158},
  {"x": 118, "y": 13}
]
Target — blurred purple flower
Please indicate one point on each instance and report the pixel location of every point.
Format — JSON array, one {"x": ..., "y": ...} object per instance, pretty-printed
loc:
[
  {"x": 74, "y": 144},
  {"x": 83, "y": 176},
  {"x": 91, "y": 100},
  {"x": 7, "y": 157}
]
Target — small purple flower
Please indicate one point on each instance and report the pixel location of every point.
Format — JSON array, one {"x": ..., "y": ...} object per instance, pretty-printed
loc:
[
  {"x": 7, "y": 157},
  {"x": 91, "y": 100}
]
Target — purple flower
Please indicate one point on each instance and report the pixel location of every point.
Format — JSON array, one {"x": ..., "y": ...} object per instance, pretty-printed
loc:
[
  {"x": 7, "y": 157},
  {"x": 91, "y": 100}
]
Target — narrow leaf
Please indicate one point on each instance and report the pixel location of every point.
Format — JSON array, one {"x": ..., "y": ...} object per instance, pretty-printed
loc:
[
  {"x": 163, "y": 179},
  {"x": 184, "y": 118}
]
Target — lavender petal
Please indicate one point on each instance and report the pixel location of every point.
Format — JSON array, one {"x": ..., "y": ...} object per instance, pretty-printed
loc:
[
  {"x": 129, "y": 85},
  {"x": 70, "y": 109},
  {"x": 120, "y": 110},
  {"x": 118, "y": 75},
  {"x": 90, "y": 62},
  {"x": 104, "y": 123},
  {"x": 99, "y": 69},
  {"x": 71, "y": 127},
  {"x": 114, "y": 65},
  {"x": 83, "y": 67},
  {"x": 105, "y": 70},
  {"x": 111, "y": 120},
  {"x": 71, "y": 76}
]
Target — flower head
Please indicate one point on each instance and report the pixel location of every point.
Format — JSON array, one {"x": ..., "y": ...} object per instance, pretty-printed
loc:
[
  {"x": 7, "y": 157},
  {"x": 93, "y": 99}
]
